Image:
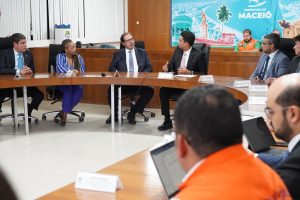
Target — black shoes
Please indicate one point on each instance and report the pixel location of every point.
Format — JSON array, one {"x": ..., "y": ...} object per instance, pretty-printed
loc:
[
  {"x": 131, "y": 118},
  {"x": 165, "y": 126}
]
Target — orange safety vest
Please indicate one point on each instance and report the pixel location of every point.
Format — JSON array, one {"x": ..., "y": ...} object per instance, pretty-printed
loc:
[
  {"x": 233, "y": 174},
  {"x": 250, "y": 45}
]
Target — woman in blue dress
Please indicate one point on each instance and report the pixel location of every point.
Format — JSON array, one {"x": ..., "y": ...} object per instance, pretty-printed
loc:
[{"x": 71, "y": 63}]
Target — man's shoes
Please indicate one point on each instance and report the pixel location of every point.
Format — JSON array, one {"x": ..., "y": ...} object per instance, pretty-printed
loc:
[
  {"x": 165, "y": 126},
  {"x": 131, "y": 118},
  {"x": 108, "y": 120}
]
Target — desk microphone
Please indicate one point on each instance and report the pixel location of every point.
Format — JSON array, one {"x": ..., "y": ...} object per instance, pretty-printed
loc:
[{"x": 103, "y": 74}]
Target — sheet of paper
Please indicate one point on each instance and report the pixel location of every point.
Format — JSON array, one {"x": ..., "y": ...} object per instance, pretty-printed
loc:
[
  {"x": 165, "y": 75},
  {"x": 185, "y": 75},
  {"x": 41, "y": 76}
]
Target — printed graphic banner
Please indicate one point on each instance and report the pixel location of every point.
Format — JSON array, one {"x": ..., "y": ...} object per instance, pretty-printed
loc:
[{"x": 221, "y": 23}]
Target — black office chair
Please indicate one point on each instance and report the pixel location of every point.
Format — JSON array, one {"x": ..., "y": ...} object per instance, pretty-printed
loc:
[
  {"x": 6, "y": 43},
  {"x": 286, "y": 46},
  {"x": 147, "y": 113},
  {"x": 53, "y": 94}
]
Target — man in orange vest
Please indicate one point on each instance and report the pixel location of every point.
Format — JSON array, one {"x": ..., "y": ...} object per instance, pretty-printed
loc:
[
  {"x": 208, "y": 141},
  {"x": 248, "y": 43}
]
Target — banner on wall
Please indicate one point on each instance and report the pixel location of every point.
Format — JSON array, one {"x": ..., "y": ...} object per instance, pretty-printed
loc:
[{"x": 221, "y": 23}]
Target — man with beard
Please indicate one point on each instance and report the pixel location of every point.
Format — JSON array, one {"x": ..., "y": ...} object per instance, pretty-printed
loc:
[
  {"x": 248, "y": 43},
  {"x": 283, "y": 111}
]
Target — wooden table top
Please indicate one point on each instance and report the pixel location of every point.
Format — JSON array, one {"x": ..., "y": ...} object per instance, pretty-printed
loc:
[
  {"x": 142, "y": 78},
  {"x": 138, "y": 175}
]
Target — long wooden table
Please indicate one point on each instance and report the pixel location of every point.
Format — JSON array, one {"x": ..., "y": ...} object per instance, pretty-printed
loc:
[
  {"x": 97, "y": 78},
  {"x": 139, "y": 178}
]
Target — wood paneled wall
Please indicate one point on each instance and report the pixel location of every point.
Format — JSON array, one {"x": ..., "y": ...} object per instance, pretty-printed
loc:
[{"x": 149, "y": 20}]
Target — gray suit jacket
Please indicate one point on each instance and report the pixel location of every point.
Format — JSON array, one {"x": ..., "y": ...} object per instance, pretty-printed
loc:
[{"x": 278, "y": 66}]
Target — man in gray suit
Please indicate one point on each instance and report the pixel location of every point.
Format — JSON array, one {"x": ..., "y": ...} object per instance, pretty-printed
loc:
[{"x": 272, "y": 63}]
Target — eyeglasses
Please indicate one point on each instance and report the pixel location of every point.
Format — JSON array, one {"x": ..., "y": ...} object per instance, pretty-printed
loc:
[
  {"x": 266, "y": 43},
  {"x": 269, "y": 112},
  {"x": 130, "y": 39}
]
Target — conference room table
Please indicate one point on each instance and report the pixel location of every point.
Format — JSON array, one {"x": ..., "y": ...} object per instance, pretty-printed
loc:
[
  {"x": 121, "y": 78},
  {"x": 138, "y": 176}
]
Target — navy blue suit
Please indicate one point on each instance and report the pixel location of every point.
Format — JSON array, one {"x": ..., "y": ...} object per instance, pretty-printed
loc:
[
  {"x": 119, "y": 61},
  {"x": 196, "y": 63},
  {"x": 146, "y": 93},
  {"x": 7, "y": 66}
]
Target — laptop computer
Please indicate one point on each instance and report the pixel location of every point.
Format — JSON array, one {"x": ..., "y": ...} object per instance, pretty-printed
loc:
[
  {"x": 259, "y": 136},
  {"x": 168, "y": 167}
]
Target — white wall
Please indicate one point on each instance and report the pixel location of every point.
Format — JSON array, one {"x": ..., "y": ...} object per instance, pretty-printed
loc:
[{"x": 96, "y": 21}]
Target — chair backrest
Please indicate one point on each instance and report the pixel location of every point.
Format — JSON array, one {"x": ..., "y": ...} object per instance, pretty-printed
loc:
[
  {"x": 138, "y": 44},
  {"x": 54, "y": 49},
  {"x": 286, "y": 46},
  {"x": 204, "y": 48},
  {"x": 5, "y": 43},
  {"x": 52, "y": 92}
]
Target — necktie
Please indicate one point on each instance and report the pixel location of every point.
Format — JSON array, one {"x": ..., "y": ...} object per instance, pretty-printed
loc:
[
  {"x": 264, "y": 69},
  {"x": 131, "y": 66},
  {"x": 182, "y": 64},
  {"x": 20, "y": 61}
]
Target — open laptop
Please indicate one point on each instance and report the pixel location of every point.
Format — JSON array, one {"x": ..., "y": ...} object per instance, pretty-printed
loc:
[
  {"x": 168, "y": 167},
  {"x": 259, "y": 136}
]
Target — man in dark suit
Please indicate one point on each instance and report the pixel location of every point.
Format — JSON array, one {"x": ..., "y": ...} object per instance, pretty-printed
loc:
[
  {"x": 185, "y": 60},
  {"x": 283, "y": 111},
  {"x": 272, "y": 63},
  {"x": 132, "y": 60},
  {"x": 18, "y": 61},
  {"x": 294, "y": 65}
]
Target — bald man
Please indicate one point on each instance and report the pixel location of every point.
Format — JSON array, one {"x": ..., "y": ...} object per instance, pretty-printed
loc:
[{"x": 283, "y": 111}]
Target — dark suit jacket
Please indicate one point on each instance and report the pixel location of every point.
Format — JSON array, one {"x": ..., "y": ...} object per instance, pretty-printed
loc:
[
  {"x": 294, "y": 65},
  {"x": 119, "y": 61},
  {"x": 278, "y": 67},
  {"x": 289, "y": 171},
  {"x": 7, "y": 61},
  {"x": 196, "y": 62}
]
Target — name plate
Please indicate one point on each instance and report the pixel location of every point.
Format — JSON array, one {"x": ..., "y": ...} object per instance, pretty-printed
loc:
[
  {"x": 98, "y": 182},
  {"x": 165, "y": 75},
  {"x": 243, "y": 83},
  {"x": 257, "y": 100},
  {"x": 206, "y": 78},
  {"x": 258, "y": 88}
]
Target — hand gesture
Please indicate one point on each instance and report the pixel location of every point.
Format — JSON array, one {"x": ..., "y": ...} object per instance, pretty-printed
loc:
[{"x": 165, "y": 68}]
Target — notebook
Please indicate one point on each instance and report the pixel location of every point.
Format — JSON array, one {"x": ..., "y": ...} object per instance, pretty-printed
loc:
[
  {"x": 258, "y": 135},
  {"x": 168, "y": 167}
]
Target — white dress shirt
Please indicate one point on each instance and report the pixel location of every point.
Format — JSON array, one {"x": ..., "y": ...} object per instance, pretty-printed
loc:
[{"x": 187, "y": 55}]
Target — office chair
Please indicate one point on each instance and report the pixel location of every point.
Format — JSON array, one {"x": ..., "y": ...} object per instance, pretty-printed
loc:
[
  {"x": 141, "y": 45},
  {"x": 6, "y": 43},
  {"x": 53, "y": 94},
  {"x": 286, "y": 46}
]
